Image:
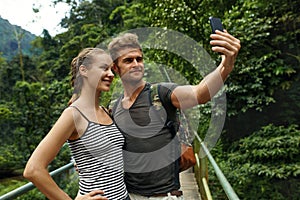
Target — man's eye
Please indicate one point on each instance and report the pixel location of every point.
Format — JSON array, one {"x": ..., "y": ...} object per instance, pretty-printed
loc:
[
  {"x": 128, "y": 60},
  {"x": 139, "y": 59}
]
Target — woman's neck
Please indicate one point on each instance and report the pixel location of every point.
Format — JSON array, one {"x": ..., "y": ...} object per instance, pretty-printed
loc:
[{"x": 88, "y": 100}]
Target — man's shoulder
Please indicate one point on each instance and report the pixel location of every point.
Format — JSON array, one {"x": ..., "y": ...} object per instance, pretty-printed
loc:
[
  {"x": 164, "y": 84},
  {"x": 161, "y": 93},
  {"x": 162, "y": 87}
]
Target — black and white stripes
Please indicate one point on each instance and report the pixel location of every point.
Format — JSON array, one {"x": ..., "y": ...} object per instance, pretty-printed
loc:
[{"x": 98, "y": 155}]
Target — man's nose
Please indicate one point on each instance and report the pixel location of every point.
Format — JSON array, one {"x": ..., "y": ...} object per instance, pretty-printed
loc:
[{"x": 135, "y": 62}]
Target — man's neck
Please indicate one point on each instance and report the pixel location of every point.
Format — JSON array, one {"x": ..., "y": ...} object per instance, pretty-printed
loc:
[
  {"x": 131, "y": 92},
  {"x": 133, "y": 89}
]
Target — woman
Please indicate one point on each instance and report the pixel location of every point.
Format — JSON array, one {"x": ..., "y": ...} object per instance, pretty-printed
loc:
[{"x": 95, "y": 141}]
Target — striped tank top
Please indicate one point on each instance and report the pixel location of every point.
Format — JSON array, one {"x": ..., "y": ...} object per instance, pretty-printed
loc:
[{"x": 99, "y": 159}]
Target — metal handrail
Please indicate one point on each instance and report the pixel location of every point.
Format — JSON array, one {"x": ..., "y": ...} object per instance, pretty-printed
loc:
[
  {"x": 224, "y": 182},
  {"x": 222, "y": 179},
  {"x": 29, "y": 186}
]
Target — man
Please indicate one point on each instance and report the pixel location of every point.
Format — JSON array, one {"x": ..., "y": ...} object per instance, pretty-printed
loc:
[{"x": 150, "y": 153}]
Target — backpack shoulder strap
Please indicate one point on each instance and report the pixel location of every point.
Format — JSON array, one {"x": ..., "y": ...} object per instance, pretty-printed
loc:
[
  {"x": 154, "y": 96},
  {"x": 157, "y": 94}
]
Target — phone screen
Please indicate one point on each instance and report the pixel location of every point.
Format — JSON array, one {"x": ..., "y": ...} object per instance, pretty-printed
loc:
[{"x": 216, "y": 24}]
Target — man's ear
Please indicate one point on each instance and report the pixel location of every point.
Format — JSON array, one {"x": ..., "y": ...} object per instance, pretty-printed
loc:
[
  {"x": 83, "y": 70},
  {"x": 115, "y": 68}
]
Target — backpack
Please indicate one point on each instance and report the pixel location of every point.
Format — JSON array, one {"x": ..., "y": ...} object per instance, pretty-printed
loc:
[{"x": 180, "y": 126}]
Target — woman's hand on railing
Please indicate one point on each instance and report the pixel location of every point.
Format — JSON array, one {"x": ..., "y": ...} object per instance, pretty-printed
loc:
[{"x": 92, "y": 195}]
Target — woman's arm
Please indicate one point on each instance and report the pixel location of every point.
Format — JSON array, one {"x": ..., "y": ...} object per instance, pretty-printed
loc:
[{"x": 36, "y": 167}]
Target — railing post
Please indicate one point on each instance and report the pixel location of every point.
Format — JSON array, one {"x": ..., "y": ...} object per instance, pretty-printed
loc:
[
  {"x": 202, "y": 176},
  {"x": 204, "y": 153},
  {"x": 224, "y": 182}
]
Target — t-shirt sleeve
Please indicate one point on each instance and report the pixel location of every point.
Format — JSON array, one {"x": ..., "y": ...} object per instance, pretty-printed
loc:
[{"x": 165, "y": 90}]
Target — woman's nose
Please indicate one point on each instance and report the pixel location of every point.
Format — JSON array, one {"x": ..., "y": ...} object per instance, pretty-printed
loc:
[{"x": 110, "y": 73}]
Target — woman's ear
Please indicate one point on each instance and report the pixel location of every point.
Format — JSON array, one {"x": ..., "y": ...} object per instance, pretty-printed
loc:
[{"x": 83, "y": 70}]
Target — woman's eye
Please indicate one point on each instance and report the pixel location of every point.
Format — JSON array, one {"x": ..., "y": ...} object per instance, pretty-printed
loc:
[{"x": 104, "y": 67}]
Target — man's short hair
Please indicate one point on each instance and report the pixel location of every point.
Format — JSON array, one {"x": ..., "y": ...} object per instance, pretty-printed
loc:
[{"x": 124, "y": 41}]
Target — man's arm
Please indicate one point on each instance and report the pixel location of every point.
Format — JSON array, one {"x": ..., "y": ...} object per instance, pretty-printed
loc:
[{"x": 188, "y": 96}]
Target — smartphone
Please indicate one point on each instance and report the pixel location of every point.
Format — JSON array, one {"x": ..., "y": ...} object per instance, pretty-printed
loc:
[{"x": 216, "y": 24}]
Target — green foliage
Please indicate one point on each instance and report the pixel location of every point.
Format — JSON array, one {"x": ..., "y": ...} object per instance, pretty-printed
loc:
[
  {"x": 8, "y": 185},
  {"x": 263, "y": 66},
  {"x": 32, "y": 194},
  {"x": 188, "y": 17},
  {"x": 63, "y": 158},
  {"x": 10, "y": 159},
  {"x": 69, "y": 183},
  {"x": 131, "y": 15},
  {"x": 5, "y": 113},
  {"x": 34, "y": 109},
  {"x": 91, "y": 35},
  {"x": 266, "y": 163},
  {"x": 273, "y": 152},
  {"x": 266, "y": 79},
  {"x": 46, "y": 57},
  {"x": 7, "y": 122}
]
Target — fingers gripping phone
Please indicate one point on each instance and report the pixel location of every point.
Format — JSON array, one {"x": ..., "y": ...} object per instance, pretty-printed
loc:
[{"x": 216, "y": 24}]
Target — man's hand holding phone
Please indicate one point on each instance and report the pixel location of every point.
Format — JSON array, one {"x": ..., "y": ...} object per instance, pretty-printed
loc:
[
  {"x": 224, "y": 43},
  {"x": 216, "y": 24}
]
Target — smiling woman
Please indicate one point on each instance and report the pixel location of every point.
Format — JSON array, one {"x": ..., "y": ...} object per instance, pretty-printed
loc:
[
  {"x": 94, "y": 139},
  {"x": 33, "y": 15}
]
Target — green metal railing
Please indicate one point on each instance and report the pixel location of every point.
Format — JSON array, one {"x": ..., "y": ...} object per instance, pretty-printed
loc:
[
  {"x": 29, "y": 186},
  {"x": 203, "y": 182},
  {"x": 201, "y": 164}
]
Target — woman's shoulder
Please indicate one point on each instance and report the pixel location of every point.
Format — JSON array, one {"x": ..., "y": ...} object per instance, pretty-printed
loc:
[{"x": 69, "y": 114}]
